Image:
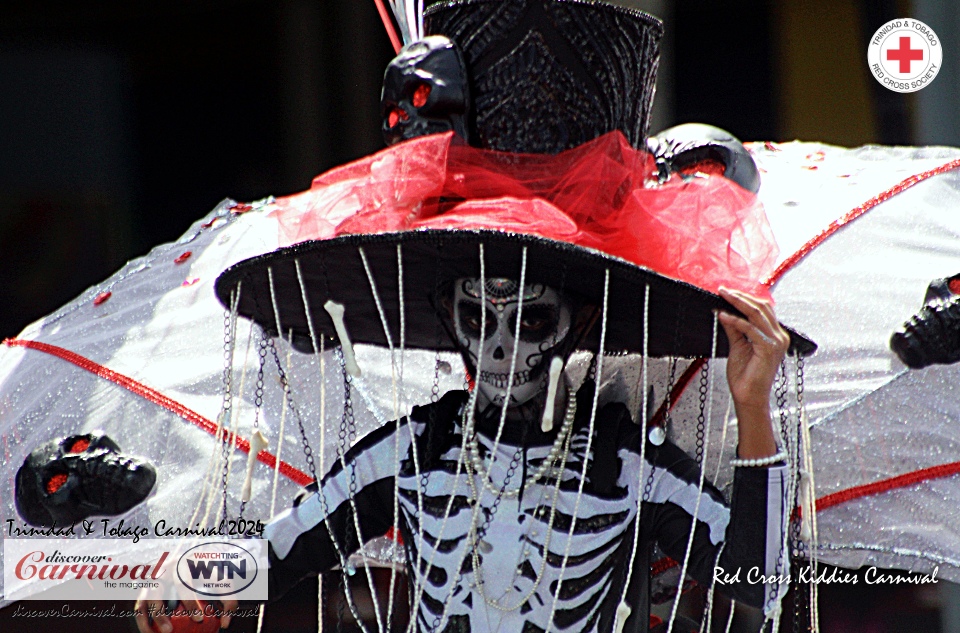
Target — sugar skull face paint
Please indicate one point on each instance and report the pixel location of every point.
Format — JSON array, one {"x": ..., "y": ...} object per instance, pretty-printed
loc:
[{"x": 545, "y": 321}]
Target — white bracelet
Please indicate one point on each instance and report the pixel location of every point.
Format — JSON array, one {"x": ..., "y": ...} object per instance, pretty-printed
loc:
[{"x": 760, "y": 461}]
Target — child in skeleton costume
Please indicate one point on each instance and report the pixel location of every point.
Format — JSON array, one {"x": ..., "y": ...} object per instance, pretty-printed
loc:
[
  {"x": 510, "y": 509},
  {"x": 557, "y": 226}
]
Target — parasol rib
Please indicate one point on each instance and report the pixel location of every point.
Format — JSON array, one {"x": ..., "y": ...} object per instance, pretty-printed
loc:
[{"x": 158, "y": 398}]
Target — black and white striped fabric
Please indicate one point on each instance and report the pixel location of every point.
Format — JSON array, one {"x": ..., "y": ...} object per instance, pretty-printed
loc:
[{"x": 592, "y": 558}]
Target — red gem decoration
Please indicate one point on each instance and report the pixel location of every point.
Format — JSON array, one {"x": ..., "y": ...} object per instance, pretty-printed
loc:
[
  {"x": 394, "y": 535},
  {"x": 190, "y": 282},
  {"x": 711, "y": 167},
  {"x": 954, "y": 286},
  {"x": 420, "y": 95},
  {"x": 770, "y": 146},
  {"x": 55, "y": 483},
  {"x": 395, "y": 116},
  {"x": 207, "y": 225},
  {"x": 183, "y": 257},
  {"x": 241, "y": 207},
  {"x": 100, "y": 298},
  {"x": 80, "y": 445}
]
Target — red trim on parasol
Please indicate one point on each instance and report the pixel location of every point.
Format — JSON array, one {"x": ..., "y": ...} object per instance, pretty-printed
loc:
[
  {"x": 154, "y": 396},
  {"x": 885, "y": 485},
  {"x": 906, "y": 479},
  {"x": 677, "y": 391},
  {"x": 852, "y": 215}
]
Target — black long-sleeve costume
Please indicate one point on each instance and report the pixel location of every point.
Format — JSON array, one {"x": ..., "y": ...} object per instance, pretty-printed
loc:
[{"x": 746, "y": 537}]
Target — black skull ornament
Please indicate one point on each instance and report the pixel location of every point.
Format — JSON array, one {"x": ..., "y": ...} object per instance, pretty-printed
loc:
[
  {"x": 424, "y": 91},
  {"x": 75, "y": 477},
  {"x": 932, "y": 335}
]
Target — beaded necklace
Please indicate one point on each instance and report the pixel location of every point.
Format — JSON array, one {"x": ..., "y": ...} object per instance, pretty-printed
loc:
[{"x": 560, "y": 449}]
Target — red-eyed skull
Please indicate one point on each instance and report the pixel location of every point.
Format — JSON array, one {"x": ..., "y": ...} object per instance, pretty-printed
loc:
[
  {"x": 424, "y": 91},
  {"x": 72, "y": 478}
]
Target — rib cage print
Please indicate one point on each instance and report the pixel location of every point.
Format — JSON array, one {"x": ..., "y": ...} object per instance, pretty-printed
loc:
[{"x": 507, "y": 577}]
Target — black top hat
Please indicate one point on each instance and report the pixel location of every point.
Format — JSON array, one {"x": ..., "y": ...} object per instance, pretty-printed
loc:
[{"x": 549, "y": 75}]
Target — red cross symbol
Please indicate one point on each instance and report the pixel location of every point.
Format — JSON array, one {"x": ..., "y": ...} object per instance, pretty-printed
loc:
[{"x": 905, "y": 54}]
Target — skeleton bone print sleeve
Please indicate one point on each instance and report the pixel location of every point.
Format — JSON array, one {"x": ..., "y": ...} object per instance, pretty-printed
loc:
[{"x": 545, "y": 533}]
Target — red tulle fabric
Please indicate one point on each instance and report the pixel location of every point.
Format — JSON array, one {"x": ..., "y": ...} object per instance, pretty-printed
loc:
[{"x": 603, "y": 195}]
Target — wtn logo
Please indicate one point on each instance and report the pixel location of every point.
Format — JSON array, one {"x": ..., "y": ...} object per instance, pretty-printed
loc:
[
  {"x": 222, "y": 569},
  {"x": 225, "y": 569}
]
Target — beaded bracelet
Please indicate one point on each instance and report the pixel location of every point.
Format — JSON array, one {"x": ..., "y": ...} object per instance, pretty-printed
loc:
[{"x": 759, "y": 461}]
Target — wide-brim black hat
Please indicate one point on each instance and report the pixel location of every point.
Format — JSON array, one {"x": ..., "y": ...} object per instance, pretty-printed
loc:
[
  {"x": 421, "y": 264},
  {"x": 545, "y": 76}
]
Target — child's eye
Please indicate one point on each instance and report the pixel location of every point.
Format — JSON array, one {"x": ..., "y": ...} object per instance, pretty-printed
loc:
[
  {"x": 533, "y": 325},
  {"x": 471, "y": 320},
  {"x": 537, "y": 323}
]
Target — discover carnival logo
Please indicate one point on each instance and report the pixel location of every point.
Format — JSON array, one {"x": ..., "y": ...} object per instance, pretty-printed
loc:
[
  {"x": 118, "y": 569},
  {"x": 904, "y": 55}
]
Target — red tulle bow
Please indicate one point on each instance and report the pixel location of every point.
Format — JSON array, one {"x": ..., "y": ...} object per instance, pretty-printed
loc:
[{"x": 603, "y": 195}]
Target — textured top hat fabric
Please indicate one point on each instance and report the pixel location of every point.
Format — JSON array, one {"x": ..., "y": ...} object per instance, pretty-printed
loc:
[{"x": 549, "y": 75}]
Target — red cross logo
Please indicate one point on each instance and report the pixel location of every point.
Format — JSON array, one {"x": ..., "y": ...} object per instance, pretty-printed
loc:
[{"x": 905, "y": 54}]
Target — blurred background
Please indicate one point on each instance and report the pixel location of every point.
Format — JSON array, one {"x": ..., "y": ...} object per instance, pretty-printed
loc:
[{"x": 123, "y": 122}]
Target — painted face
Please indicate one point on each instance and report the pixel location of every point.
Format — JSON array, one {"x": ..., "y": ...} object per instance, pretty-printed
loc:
[{"x": 544, "y": 323}]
